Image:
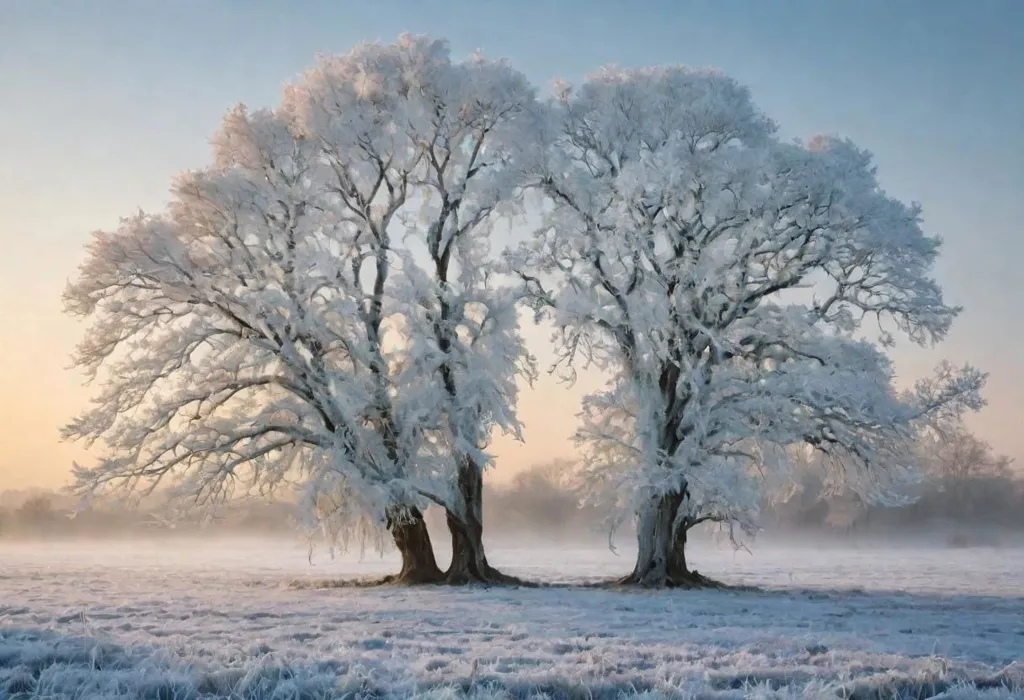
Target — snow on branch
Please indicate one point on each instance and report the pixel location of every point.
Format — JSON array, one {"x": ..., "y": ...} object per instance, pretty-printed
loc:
[
  {"x": 723, "y": 277},
  {"x": 273, "y": 325}
]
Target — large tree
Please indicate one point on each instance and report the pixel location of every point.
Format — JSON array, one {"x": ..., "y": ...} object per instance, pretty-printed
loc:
[
  {"x": 317, "y": 305},
  {"x": 723, "y": 277}
]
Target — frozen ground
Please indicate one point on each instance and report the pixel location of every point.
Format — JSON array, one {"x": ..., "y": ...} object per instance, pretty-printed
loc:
[{"x": 244, "y": 619}]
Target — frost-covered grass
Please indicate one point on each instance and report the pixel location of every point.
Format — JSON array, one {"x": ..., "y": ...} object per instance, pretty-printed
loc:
[{"x": 245, "y": 619}]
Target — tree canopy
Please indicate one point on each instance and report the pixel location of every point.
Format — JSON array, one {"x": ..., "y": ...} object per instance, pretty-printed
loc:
[
  {"x": 328, "y": 304},
  {"x": 724, "y": 277}
]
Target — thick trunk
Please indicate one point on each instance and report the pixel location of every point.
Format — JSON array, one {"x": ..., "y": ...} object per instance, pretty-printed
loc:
[
  {"x": 661, "y": 553},
  {"x": 655, "y": 543},
  {"x": 677, "y": 568},
  {"x": 469, "y": 560},
  {"x": 409, "y": 531}
]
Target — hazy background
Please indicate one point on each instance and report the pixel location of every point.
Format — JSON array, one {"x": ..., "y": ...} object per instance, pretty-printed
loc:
[
  {"x": 103, "y": 102},
  {"x": 968, "y": 498}
]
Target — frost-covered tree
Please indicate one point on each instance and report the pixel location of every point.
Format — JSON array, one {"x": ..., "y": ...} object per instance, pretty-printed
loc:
[
  {"x": 469, "y": 125},
  {"x": 242, "y": 333},
  {"x": 318, "y": 305},
  {"x": 723, "y": 278},
  {"x": 474, "y": 124}
]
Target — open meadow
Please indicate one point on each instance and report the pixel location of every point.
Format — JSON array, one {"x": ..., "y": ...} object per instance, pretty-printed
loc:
[
  {"x": 735, "y": 286},
  {"x": 176, "y": 619}
]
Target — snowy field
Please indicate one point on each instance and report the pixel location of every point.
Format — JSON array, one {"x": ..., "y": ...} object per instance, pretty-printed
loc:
[{"x": 188, "y": 619}]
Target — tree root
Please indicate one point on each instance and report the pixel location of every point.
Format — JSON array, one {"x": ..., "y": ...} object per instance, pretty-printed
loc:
[
  {"x": 414, "y": 578},
  {"x": 695, "y": 579},
  {"x": 686, "y": 580},
  {"x": 491, "y": 577},
  {"x": 494, "y": 577}
]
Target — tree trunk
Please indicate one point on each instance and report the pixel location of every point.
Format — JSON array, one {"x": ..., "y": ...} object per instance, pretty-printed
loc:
[
  {"x": 469, "y": 560},
  {"x": 678, "y": 571},
  {"x": 409, "y": 530},
  {"x": 654, "y": 542},
  {"x": 661, "y": 552}
]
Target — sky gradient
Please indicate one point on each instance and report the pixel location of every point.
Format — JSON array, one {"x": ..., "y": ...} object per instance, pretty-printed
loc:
[{"x": 103, "y": 102}]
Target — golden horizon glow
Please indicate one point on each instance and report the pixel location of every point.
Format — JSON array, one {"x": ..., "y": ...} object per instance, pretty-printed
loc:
[{"x": 105, "y": 102}]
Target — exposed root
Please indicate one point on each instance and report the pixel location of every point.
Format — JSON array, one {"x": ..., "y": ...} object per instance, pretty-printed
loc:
[
  {"x": 695, "y": 579},
  {"x": 508, "y": 580},
  {"x": 404, "y": 578},
  {"x": 414, "y": 578},
  {"x": 699, "y": 582},
  {"x": 491, "y": 577},
  {"x": 687, "y": 580}
]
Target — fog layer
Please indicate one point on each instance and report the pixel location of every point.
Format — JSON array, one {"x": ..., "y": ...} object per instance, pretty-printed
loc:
[{"x": 984, "y": 507}]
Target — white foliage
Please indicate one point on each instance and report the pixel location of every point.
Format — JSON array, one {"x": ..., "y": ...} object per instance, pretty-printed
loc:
[
  {"x": 287, "y": 319},
  {"x": 321, "y": 305},
  {"x": 723, "y": 277}
]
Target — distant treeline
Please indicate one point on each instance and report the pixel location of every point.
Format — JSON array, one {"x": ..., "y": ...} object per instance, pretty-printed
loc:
[
  {"x": 537, "y": 501},
  {"x": 976, "y": 503},
  {"x": 988, "y": 497},
  {"x": 967, "y": 491}
]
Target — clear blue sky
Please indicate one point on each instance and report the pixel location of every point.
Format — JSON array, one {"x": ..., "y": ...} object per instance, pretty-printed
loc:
[{"x": 104, "y": 101}]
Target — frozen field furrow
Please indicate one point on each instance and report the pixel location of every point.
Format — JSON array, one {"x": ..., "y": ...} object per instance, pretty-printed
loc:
[{"x": 169, "y": 620}]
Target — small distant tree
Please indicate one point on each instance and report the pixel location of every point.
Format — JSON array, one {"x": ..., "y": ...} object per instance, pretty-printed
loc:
[
  {"x": 965, "y": 477},
  {"x": 256, "y": 334},
  {"x": 722, "y": 277},
  {"x": 955, "y": 456},
  {"x": 540, "y": 499},
  {"x": 37, "y": 514}
]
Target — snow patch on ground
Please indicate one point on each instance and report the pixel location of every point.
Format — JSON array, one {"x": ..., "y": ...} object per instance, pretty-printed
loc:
[{"x": 191, "y": 619}]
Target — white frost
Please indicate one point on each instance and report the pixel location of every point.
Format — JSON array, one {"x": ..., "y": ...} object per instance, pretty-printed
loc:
[{"x": 149, "y": 620}]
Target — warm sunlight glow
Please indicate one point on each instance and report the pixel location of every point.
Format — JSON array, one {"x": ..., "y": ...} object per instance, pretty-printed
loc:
[{"x": 511, "y": 351}]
